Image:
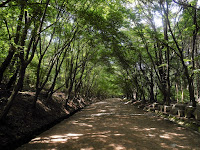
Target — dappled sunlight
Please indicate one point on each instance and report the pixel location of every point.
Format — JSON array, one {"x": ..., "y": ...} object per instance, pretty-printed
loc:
[
  {"x": 101, "y": 103},
  {"x": 116, "y": 129},
  {"x": 179, "y": 128},
  {"x": 39, "y": 102},
  {"x": 102, "y": 110},
  {"x": 99, "y": 135},
  {"x": 88, "y": 148},
  {"x": 168, "y": 135},
  {"x": 119, "y": 134},
  {"x": 103, "y": 134},
  {"x": 117, "y": 147},
  {"x": 150, "y": 135},
  {"x": 81, "y": 124},
  {"x": 56, "y": 138},
  {"x": 149, "y": 129},
  {"x": 134, "y": 128},
  {"x": 100, "y": 114},
  {"x": 108, "y": 106},
  {"x": 165, "y": 136},
  {"x": 144, "y": 130},
  {"x": 66, "y": 111},
  {"x": 112, "y": 110},
  {"x": 173, "y": 146}
]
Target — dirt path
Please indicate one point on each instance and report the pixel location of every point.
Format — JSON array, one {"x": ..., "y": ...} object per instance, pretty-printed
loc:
[{"x": 112, "y": 125}]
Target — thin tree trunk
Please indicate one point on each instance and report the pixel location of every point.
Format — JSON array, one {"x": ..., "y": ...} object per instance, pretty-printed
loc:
[
  {"x": 12, "y": 79},
  {"x": 12, "y": 48},
  {"x": 14, "y": 93},
  {"x": 167, "y": 56},
  {"x": 176, "y": 85},
  {"x": 188, "y": 76},
  {"x": 152, "y": 99},
  {"x": 182, "y": 93}
]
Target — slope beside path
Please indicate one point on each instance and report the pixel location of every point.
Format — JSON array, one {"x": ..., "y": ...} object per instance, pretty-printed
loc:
[{"x": 112, "y": 125}]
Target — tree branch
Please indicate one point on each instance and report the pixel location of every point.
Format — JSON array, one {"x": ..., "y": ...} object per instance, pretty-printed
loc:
[
  {"x": 4, "y": 3},
  {"x": 185, "y": 4}
]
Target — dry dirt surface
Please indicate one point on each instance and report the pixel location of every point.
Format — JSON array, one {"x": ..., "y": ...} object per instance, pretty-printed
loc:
[{"x": 112, "y": 125}]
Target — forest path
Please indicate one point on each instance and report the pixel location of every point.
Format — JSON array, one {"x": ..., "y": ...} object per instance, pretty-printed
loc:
[{"x": 112, "y": 125}]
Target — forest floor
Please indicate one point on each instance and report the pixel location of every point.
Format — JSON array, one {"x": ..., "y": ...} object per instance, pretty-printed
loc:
[
  {"x": 23, "y": 122},
  {"x": 112, "y": 125}
]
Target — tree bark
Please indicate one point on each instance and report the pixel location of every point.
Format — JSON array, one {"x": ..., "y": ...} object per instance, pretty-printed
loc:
[
  {"x": 168, "y": 101},
  {"x": 14, "y": 93},
  {"x": 181, "y": 56},
  {"x": 12, "y": 48}
]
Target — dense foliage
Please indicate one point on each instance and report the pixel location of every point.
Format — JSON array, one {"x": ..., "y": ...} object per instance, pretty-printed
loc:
[{"x": 146, "y": 50}]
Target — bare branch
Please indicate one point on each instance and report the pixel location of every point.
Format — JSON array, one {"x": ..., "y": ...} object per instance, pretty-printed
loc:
[
  {"x": 7, "y": 28},
  {"x": 185, "y": 4}
]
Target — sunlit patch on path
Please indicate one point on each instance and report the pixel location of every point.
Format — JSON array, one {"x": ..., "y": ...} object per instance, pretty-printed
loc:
[{"x": 114, "y": 126}]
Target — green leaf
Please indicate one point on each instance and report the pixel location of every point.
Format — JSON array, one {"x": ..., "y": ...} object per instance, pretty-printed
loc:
[
  {"x": 187, "y": 60},
  {"x": 196, "y": 71},
  {"x": 162, "y": 65}
]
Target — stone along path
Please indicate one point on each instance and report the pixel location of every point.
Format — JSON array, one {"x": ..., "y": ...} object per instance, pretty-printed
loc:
[{"x": 112, "y": 125}]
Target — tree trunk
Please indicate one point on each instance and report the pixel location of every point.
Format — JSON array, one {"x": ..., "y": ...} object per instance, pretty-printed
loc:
[
  {"x": 168, "y": 61},
  {"x": 176, "y": 85},
  {"x": 14, "y": 92},
  {"x": 37, "y": 93},
  {"x": 6, "y": 63},
  {"x": 12, "y": 79},
  {"x": 181, "y": 56},
  {"x": 190, "y": 83},
  {"x": 12, "y": 49},
  {"x": 51, "y": 89},
  {"x": 151, "y": 88}
]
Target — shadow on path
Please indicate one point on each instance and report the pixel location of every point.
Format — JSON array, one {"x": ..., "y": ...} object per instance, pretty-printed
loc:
[{"x": 111, "y": 125}]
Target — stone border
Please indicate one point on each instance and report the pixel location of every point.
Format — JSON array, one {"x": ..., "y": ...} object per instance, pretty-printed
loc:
[{"x": 181, "y": 114}]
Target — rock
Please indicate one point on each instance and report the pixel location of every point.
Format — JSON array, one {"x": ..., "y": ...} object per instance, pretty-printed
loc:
[
  {"x": 189, "y": 111},
  {"x": 141, "y": 106},
  {"x": 161, "y": 108},
  {"x": 174, "y": 111},
  {"x": 179, "y": 106},
  {"x": 167, "y": 108},
  {"x": 151, "y": 109},
  {"x": 181, "y": 113},
  {"x": 129, "y": 102},
  {"x": 157, "y": 111},
  {"x": 137, "y": 103},
  {"x": 198, "y": 107},
  {"x": 145, "y": 108},
  {"x": 197, "y": 114},
  {"x": 155, "y": 105}
]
